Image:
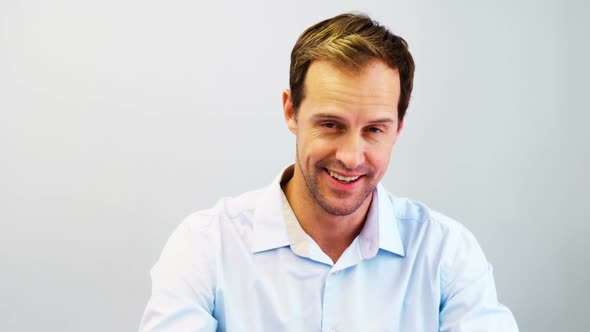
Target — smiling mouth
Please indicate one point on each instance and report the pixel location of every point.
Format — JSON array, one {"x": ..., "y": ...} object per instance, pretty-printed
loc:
[{"x": 341, "y": 178}]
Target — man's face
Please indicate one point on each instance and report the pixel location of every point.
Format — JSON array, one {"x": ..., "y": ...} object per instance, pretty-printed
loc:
[{"x": 346, "y": 127}]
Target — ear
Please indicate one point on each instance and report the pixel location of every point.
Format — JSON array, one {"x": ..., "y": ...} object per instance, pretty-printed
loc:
[
  {"x": 399, "y": 128},
  {"x": 290, "y": 118}
]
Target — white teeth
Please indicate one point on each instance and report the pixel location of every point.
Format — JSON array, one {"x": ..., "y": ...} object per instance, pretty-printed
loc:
[{"x": 343, "y": 178}]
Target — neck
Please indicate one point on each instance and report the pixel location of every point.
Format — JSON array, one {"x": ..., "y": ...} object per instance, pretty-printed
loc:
[{"x": 333, "y": 233}]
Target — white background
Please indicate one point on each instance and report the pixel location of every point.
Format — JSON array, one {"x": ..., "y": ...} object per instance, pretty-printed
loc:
[{"x": 119, "y": 118}]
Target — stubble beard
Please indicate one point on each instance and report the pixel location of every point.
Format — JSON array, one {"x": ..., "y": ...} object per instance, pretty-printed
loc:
[{"x": 311, "y": 179}]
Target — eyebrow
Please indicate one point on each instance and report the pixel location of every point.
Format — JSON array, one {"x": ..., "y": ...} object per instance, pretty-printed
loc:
[
  {"x": 383, "y": 120},
  {"x": 322, "y": 116}
]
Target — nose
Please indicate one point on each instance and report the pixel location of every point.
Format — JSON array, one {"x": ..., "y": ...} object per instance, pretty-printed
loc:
[{"x": 351, "y": 151}]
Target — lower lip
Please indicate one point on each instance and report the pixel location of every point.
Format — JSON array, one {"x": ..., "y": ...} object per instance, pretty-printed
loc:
[{"x": 344, "y": 186}]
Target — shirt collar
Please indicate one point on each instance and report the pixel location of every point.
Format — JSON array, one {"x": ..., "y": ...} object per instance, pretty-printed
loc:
[
  {"x": 271, "y": 229},
  {"x": 389, "y": 236}
]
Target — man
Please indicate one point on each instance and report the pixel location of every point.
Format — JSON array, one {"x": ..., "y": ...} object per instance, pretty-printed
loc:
[{"x": 325, "y": 247}]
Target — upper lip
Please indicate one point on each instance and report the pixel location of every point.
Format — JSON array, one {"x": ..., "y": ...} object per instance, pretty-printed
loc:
[{"x": 347, "y": 175}]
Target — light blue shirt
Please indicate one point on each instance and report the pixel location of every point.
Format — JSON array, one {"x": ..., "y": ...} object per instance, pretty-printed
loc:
[{"x": 247, "y": 265}]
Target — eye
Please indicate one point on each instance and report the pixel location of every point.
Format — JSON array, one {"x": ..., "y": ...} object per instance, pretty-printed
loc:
[
  {"x": 375, "y": 130},
  {"x": 329, "y": 125}
]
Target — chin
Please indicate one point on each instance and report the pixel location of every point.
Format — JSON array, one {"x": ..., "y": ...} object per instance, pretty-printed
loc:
[{"x": 342, "y": 207}]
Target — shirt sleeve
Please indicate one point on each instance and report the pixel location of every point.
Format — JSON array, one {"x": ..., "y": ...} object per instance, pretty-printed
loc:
[
  {"x": 183, "y": 286},
  {"x": 469, "y": 300}
]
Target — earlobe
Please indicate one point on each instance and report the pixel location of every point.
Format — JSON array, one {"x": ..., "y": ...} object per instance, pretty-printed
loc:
[{"x": 288, "y": 112}]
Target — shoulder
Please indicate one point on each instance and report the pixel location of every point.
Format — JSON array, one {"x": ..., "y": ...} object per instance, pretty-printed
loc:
[
  {"x": 422, "y": 226},
  {"x": 417, "y": 215},
  {"x": 210, "y": 228},
  {"x": 200, "y": 236},
  {"x": 234, "y": 209},
  {"x": 440, "y": 238},
  {"x": 430, "y": 231}
]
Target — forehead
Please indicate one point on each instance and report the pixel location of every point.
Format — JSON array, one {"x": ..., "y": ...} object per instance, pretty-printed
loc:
[{"x": 374, "y": 87}]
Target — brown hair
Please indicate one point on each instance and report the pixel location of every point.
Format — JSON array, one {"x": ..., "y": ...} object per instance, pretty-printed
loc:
[{"x": 352, "y": 41}]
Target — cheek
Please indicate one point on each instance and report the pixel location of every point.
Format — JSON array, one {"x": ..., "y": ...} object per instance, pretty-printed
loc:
[
  {"x": 313, "y": 148},
  {"x": 379, "y": 158}
]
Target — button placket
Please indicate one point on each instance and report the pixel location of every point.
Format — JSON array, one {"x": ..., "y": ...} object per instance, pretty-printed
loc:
[{"x": 330, "y": 312}]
